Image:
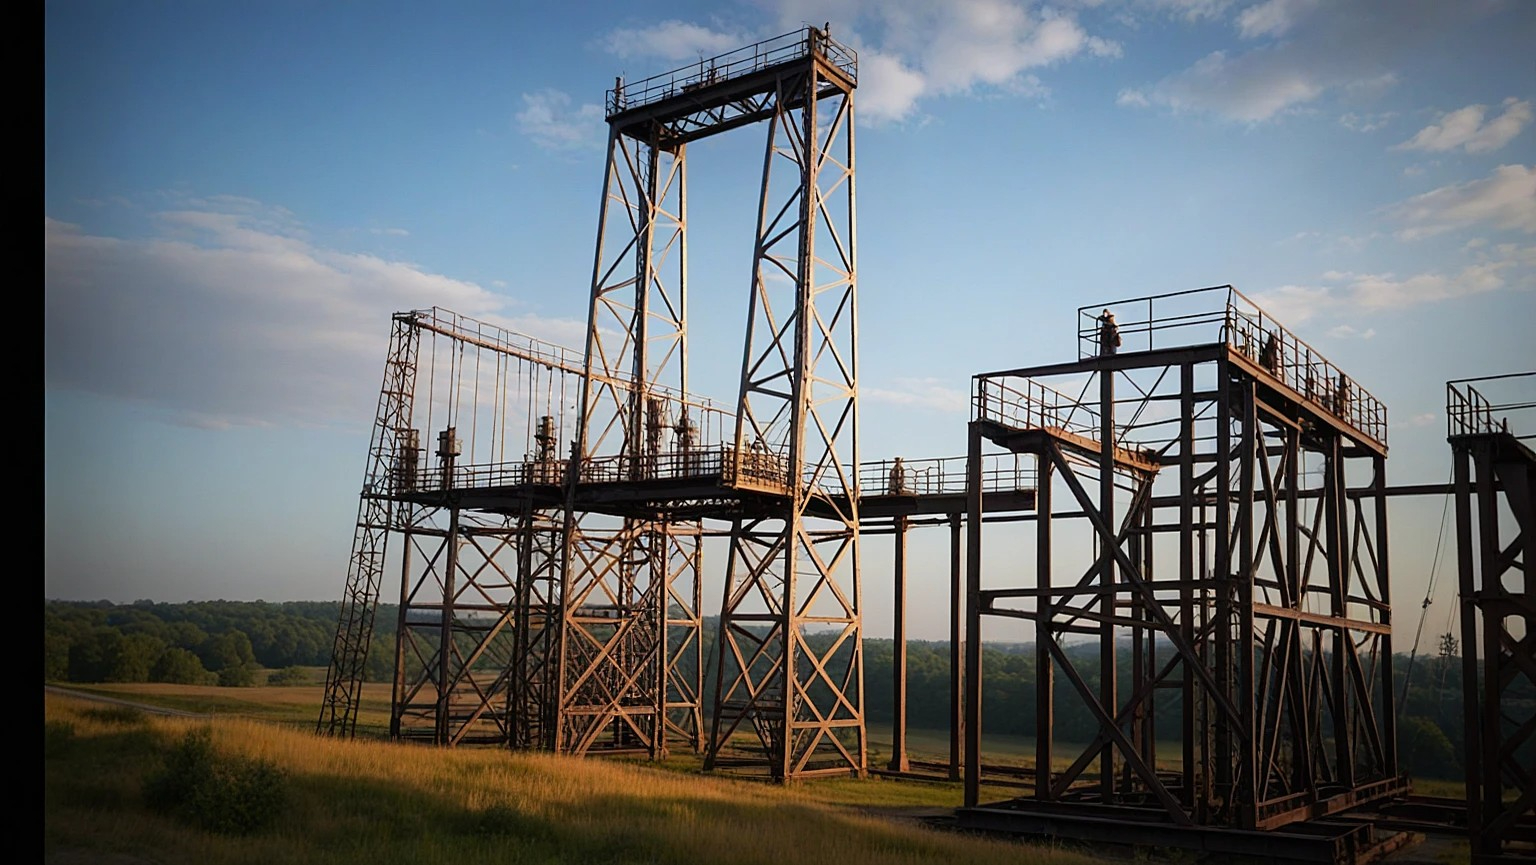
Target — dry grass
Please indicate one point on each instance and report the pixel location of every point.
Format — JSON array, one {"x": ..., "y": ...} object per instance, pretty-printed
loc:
[{"x": 380, "y": 802}]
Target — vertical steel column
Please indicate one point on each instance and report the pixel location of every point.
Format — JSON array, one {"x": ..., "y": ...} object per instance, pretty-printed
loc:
[
  {"x": 1108, "y": 579},
  {"x": 1246, "y": 791},
  {"x": 445, "y": 647},
  {"x": 973, "y": 517},
  {"x": 899, "y": 761},
  {"x": 1045, "y": 679},
  {"x": 956, "y": 648},
  {"x": 1188, "y": 574},
  {"x": 397, "y": 686}
]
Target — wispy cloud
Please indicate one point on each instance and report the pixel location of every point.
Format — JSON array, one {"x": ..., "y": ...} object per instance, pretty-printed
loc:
[
  {"x": 554, "y": 123},
  {"x": 921, "y": 393},
  {"x": 1366, "y": 122},
  {"x": 1345, "y": 331},
  {"x": 1506, "y": 198},
  {"x": 1302, "y": 50},
  {"x": 909, "y": 50},
  {"x": 222, "y": 319},
  {"x": 1465, "y": 129},
  {"x": 1341, "y": 294},
  {"x": 672, "y": 40}
]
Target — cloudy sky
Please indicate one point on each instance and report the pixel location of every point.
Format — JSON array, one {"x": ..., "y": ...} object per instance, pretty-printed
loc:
[{"x": 237, "y": 197}]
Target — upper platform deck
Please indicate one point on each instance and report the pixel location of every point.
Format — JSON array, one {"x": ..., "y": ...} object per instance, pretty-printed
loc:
[
  {"x": 1201, "y": 325},
  {"x": 728, "y": 90}
]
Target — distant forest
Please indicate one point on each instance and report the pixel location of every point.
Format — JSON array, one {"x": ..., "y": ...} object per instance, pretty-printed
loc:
[{"x": 238, "y": 644}]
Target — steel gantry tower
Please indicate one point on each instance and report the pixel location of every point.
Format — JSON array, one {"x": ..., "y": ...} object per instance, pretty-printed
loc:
[
  {"x": 1494, "y": 473},
  {"x": 1209, "y": 560},
  {"x": 550, "y": 596}
]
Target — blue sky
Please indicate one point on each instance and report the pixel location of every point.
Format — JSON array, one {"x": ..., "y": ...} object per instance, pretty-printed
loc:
[{"x": 237, "y": 197}]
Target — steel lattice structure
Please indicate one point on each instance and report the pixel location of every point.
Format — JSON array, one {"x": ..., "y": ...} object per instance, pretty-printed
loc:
[
  {"x": 1494, "y": 474},
  {"x": 1265, "y": 618}
]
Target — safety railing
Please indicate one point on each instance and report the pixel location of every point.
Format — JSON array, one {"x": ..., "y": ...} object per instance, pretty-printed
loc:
[
  {"x": 733, "y": 64},
  {"x": 1023, "y": 403},
  {"x": 756, "y": 468},
  {"x": 944, "y": 475},
  {"x": 1469, "y": 412},
  {"x": 1221, "y": 314}
]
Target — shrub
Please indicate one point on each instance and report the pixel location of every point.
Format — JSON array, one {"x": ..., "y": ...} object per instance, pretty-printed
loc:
[
  {"x": 217, "y": 793},
  {"x": 288, "y": 676}
]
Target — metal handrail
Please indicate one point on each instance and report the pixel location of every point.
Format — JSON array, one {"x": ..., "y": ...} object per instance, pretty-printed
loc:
[
  {"x": 756, "y": 57},
  {"x": 1469, "y": 412},
  {"x": 1222, "y": 314},
  {"x": 753, "y": 467}
]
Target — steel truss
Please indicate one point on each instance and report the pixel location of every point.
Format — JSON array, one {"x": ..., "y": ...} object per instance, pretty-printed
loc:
[
  {"x": 1259, "y": 634},
  {"x": 1494, "y": 474},
  {"x": 791, "y": 647}
]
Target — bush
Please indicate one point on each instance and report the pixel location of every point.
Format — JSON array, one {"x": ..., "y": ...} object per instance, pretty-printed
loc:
[
  {"x": 288, "y": 676},
  {"x": 1424, "y": 751},
  {"x": 223, "y": 794}
]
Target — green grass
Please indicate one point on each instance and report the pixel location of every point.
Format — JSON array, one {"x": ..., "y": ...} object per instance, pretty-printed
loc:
[{"x": 367, "y": 800}]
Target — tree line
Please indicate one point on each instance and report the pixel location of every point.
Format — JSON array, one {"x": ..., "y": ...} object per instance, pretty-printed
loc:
[{"x": 243, "y": 643}]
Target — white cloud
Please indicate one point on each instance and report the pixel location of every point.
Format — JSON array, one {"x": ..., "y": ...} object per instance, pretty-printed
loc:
[
  {"x": 1366, "y": 122},
  {"x": 1304, "y": 50},
  {"x": 1345, "y": 331},
  {"x": 1464, "y": 128},
  {"x": 909, "y": 50},
  {"x": 549, "y": 118},
  {"x": 922, "y": 393},
  {"x": 1272, "y": 17},
  {"x": 391, "y": 232},
  {"x": 1374, "y": 292},
  {"x": 1192, "y": 10},
  {"x": 219, "y": 321},
  {"x": 1504, "y": 199},
  {"x": 672, "y": 40}
]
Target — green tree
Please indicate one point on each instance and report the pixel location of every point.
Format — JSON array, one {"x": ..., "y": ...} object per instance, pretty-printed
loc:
[
  {"x": 1424, "y": 751},
  {"x": 180, "y": 666}
]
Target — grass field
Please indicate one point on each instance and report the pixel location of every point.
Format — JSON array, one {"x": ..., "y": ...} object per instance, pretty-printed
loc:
[
  {"x": 381, "y": 802},
  {"x": 368, "y": 800}
]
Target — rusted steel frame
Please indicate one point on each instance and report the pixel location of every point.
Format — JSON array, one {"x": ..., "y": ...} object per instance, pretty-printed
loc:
[
  {"x": 1476, "y": 746},
  {"x": 1488, "y": 652},
  {"x": 530, "y": 694},
  {"x": 956, "y": 646},
  {"x": 899, "y": 761},
  {"x": 1045, "y": 680},
  {"x": 445, "y": 627},
  {"x": 974, "y": 517},
  {"x": 397, "y": 691},
  {"x": 1132, "y": 574},
  {"x": 1247, "y": 794},
  {"x": 1134, "y": 510},
  {"x": 1338, "y": 587},
  {"x": 733, "y": 630},
  {"x": 1188, "y": 573},
  {"x": 1107, "y": 725},
  {"x": 1063, "y": 782},
  {"x": 682, "y": 679}
]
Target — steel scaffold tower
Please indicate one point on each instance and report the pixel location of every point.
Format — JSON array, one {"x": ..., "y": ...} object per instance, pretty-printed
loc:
[{"x": 1259, "y": 633}]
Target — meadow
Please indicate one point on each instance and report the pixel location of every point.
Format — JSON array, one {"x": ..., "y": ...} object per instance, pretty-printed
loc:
[{"x": 371, "y": 800}]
